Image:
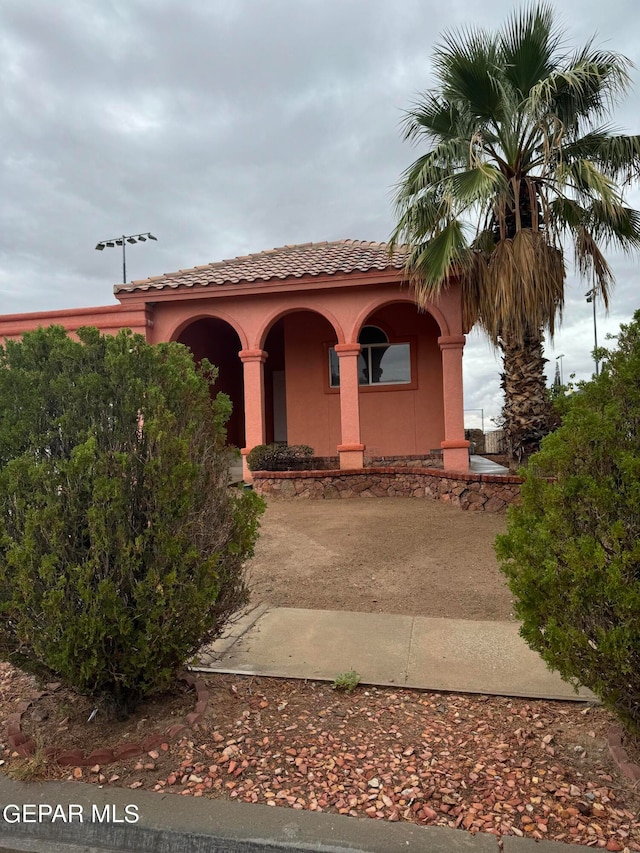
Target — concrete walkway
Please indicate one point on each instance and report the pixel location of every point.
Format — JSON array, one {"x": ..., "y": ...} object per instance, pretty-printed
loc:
[
  {"x": 386, "y": 649},
  {"x": 454, "y": 655},
  {"x": 480, "y": 465}
]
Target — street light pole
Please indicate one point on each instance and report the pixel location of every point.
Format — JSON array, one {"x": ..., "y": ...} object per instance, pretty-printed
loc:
[
  {"x": 559, "y": 358},
  {"x": 591, "y": 297},
  {"x": 122, "y": 241}
]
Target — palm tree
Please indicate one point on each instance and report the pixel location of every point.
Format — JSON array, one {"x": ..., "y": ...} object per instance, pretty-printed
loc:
[{"x": 519, "y": 153}]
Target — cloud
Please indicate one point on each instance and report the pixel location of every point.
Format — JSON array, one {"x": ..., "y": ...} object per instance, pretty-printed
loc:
[{"x": 228, "y": 128}]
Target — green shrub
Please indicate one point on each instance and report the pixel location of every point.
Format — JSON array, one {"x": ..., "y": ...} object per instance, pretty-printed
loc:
[
  {"x": 572, "y": 550},
  {"x": 279, "y": 457},
  {"x": 121, "y": 546},
  {"x": 347, "y": 681}
]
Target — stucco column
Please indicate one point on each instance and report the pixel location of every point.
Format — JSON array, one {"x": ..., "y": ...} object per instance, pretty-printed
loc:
[
  {"x": 254, "y": 418},
  {"x": 351, "y": 450},
  {"x": 455, "y": 449}
]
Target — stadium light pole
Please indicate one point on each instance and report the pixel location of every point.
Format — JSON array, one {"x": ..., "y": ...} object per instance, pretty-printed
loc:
[{"x": 122, "y": 241}]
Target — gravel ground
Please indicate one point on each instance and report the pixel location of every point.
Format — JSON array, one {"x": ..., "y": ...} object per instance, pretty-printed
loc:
[{"x": 481, "y": 764}]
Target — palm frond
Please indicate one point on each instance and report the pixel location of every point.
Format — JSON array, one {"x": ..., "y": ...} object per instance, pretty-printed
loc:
[
  {"x": 474, "y": 185},
  {"x": 620, "y": 231},
  {"x": 432, "y": 262},
  {"x": 617, "y": 157},
  {"x": 524, "y": 288},
  {"x": 605, "y": 74},
  {"x": 567, "y": 213},
  {"x": 471, "y": 276},
  {"x": 586, "y": 88},
  {"x": 484, "y": 242},
  {"x": 433, "y": 167},
  {"x": 427, "y": 215},
  {"x": 529, "y": 45},
  {"x": 465, "y": 63},
  {"x": 434, "y": 119},
  {"x": 592, "y": 264},
  {"x": 618, "y": 228},
  {"x": 588, "y": 182}
]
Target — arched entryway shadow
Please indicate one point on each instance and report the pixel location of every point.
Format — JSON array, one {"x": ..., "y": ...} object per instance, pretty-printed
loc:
[{"x": 216, "y": 340}]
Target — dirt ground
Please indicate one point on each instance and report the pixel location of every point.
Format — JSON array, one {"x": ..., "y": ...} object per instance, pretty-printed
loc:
[{"x": 392, "y": 555}]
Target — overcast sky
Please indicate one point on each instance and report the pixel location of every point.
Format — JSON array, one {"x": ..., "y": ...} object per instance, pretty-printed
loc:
[{"x": 226, "y": 127}]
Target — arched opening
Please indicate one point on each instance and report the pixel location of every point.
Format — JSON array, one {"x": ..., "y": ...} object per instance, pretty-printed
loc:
[
  {"x": 400, "y": 382},
  {"x": 216, "y": 340},
  {"x": 298, "y": 406}
]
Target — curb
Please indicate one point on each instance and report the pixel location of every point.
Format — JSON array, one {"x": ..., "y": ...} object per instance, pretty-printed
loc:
[{"x": 166, "y": 823}]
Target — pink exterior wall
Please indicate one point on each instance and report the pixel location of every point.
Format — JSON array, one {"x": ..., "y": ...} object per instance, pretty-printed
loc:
[
  {"x": 408, "y": 421},
  {"x": 313, "y": 414},
  {"x": 108, "y": 318},
  {"x": 252, "y": 308}
]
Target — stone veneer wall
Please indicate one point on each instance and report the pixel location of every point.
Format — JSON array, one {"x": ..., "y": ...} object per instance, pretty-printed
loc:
[
  {"x": 430, "y": 461},
  {"x": 330, "y": 463},
  {"x": 478, "y": 492}
]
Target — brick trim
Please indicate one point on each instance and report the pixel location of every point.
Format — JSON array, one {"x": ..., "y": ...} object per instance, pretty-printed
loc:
[
  {"x": 73, "y": 757},
  {"x": 620, "y": 755}
]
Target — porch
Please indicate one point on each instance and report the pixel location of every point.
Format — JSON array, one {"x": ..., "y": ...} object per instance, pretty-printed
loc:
[{"x": 327, "y": 348}]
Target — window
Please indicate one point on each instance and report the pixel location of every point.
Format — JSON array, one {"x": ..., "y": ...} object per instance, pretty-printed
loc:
[{"x": 379, "y": 362}]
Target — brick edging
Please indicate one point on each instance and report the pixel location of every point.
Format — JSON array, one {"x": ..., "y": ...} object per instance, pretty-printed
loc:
[
  {"x": 349, "y": 472},
  {"x": 620, "y": 755},
  {"x": 24, "y": 746}
]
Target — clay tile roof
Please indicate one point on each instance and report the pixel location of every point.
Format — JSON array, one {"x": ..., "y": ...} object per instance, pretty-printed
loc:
[{"x": 340, "y": 256}]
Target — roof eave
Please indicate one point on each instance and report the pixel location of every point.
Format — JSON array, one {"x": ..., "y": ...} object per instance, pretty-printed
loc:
[{"x": 178, "y": 290}]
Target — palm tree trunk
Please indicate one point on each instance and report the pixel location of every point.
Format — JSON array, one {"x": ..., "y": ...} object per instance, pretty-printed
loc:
[{"x": 527, "y": 409}]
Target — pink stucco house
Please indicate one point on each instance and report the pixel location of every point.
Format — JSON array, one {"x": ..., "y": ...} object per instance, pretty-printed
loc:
[{"x": 318, "y": 344}]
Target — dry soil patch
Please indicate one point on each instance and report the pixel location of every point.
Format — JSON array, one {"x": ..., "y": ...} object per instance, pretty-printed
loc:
[{"x": 391, "y": 555}]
